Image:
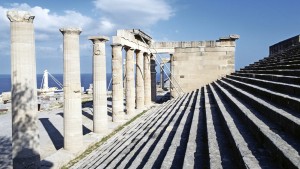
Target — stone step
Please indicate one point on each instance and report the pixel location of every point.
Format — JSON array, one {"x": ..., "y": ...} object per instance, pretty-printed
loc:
[
  {"x": 192, "y": 154},
  {"x": 159, "y": 152},
  {"x": 118, "y": 139},
  {"x": 177, "y": 150},
  {"x": 284, "y": 150},
  {"x": 286, "y": 61},
  {"x": 275, "y": 78},
  {"x": 124, "y": 160},
  {"x": 294, "y": 72},
  {"x": 127, "y": 139},
  {"x": 273, "y": 97},
  {"x": 284, "y": 88},
  {"x": 246, "y": 158},
  {"x": 289, "y": 121},
  {"x": 278, "y": 66}
]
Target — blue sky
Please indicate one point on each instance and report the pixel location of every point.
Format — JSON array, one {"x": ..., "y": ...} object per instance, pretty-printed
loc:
[{"x": 259, "y": 23}]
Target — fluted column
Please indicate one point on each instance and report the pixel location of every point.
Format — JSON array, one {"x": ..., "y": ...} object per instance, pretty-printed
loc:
[
  {"x": 25, "y": 138},
  {"x": 140, "y": 103},
  {"x": 72, "y": 90},
  {"x": 130, "y": 92},
  {"x": 100, "y": 123},
  {"x": 153, "y": 78},
  {"x": 147, "y": 80},
  {"x": 117, "y": 84}
]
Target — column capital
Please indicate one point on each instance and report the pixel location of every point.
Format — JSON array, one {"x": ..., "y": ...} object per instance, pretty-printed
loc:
[
  {"x": 20, "y": 16},
  {"x": 116, "y": 45},
  {"x": 128, "y": 48},
  {"x": 75, "y": 31},
  {"x": 96, "y": 39}
]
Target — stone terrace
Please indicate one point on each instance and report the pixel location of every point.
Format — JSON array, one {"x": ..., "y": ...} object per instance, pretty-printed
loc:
[{"x": 249, "y": 119}]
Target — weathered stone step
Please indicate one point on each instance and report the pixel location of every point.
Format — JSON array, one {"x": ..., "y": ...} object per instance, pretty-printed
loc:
[
  {"x": 117, "y": 141},
  {"x": 285, "y": 88},
  {"x": 271, "y": 77},
  {"x": 219, "y": 145},
  {"x": 275, "y": 63},
  {"x": 294, "y": 72},
  {"x": 278, "y": 66},
  {"x": 160, "y": 150},
  {"x": 177, "y": 150},
  {"x": 242, "y": 151},
  {"x": 124, "y": 160},
  {"x": 129, "y": 139},
  {"x": 288, "y": 121},
  {"x": 286, "y": 155},
  {"x": 196, "y": 153},
  {"x": 274, "y": 97}
]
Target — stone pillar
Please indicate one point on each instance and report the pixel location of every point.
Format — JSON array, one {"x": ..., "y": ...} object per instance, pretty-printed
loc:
[
  {"x": 117, "y": 84},
  {"x": 100, "y": 123},
  {"x": 130, "y": 93},
  {"x": 45, "y": 85},
  {"x": 139, "y": 80},
  {"x": 162, "y": 75},
  {"x": 153, "y": 78},
  {"x": 147, "y": 80},
  {"x": 25, "y": 136},
  {"x": 173, "y": 92},
  {"x": 72, "y": 90}
]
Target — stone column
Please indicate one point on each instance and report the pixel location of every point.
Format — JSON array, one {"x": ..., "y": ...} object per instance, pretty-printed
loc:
[
  {"x": 153, "y": 78},
  {"x": 117, "y": 84},
  {"x": 139, "y": 80},
  {"x": 25, "y": 136},
  {"x": 100, "y": 123},
  {"x": 130, "y": 93},
  {"x": 72, "y": 90},
  {"x": 147, "y": 80},
  {"x": 162, "y": 75}
]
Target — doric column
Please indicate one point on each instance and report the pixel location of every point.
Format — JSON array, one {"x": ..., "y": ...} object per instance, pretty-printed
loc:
[
  {"x": 139, "y": 87},
  {"x": 99, "y": 84},
  {"x": 72, "y": 90},
  {"x": 147, "y": 79},
  {"x": 25, "y": 138},
  {"x": 117, "y": 84},
  {"x": 130, "y": 93},
  {"x": 162, "y": 75},
  {"x": 153, "y": 78}
]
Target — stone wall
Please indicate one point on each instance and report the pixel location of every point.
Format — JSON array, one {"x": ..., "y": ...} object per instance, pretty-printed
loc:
[
  {"x": 284, "y": 45},
  {"x": 194, "y": 67}
]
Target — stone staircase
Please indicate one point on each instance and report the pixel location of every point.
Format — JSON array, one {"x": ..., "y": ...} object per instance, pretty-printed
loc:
[{"x": 249, "y": 119}]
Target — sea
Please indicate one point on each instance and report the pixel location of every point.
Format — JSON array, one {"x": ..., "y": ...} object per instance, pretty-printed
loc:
[{"x": 86, "y": 80}]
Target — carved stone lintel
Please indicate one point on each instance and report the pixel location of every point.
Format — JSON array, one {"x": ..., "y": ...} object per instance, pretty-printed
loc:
[
  {"x": 76, "y": 31},
  {"x": 20, "y": 16}
]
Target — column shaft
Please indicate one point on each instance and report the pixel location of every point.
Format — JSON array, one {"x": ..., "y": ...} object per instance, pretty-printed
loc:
[
  {"x": 139, "y": 80},
  {"x": 25, "y": 138},
  {"x": 72, "y": 90},
  {"x": 147, "y": 80},
  {"x": 153, "y": 78},
  {"x": 130, "y": 93},
  {"x": 162, "y": 76},
  {"x": 100, "y": 123},
  {"x": 117, "y": 84}
]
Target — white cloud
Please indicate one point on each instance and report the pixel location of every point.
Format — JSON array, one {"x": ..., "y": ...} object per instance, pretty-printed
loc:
[{"x": 134, "y": 14}]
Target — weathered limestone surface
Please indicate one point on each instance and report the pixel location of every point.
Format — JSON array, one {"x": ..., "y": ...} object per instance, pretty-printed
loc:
[
  {"x": 162, "y": 76},
  {"x": 25, "y": 137},
  {"x": 153, "y": 78},
  {"x": 130, "y": 92},
  {"x": 139, "y": 80},
  {"x": 197, "y": 66},
  {"x": 117, "y": 84},
  {"x": 100, "y": 123},
  {"x": 72, "y": 90},
  {"x": 147, "y": 80}
]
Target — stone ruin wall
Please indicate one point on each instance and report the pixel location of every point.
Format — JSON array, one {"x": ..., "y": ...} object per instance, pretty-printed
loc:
[
  {"x": 283, "y": 45},
  {"x": 195, "y": 64}
]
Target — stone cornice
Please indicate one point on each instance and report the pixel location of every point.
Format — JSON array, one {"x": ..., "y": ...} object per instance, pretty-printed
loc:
[
  {"x": 20, "y": 16},
  {"x": 75, "y": 31}
]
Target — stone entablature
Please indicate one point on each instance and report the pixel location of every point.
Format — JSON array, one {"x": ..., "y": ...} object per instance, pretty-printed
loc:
[{"x": 169, "y": 47}]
